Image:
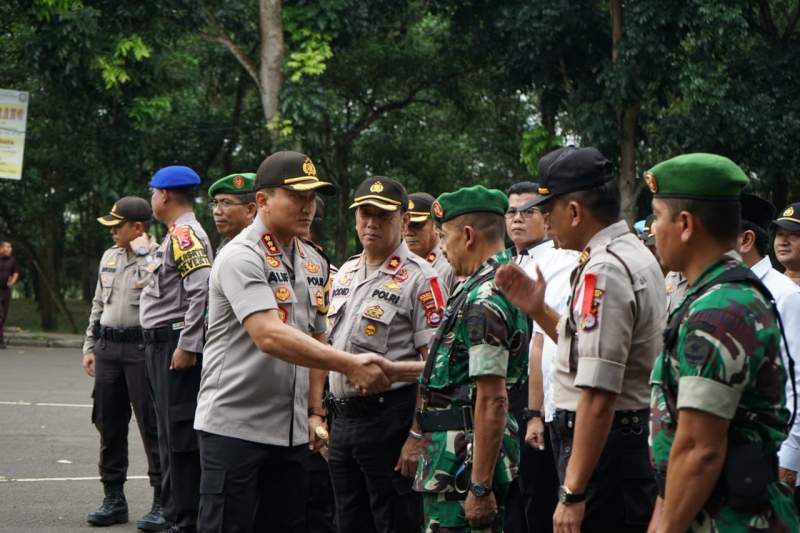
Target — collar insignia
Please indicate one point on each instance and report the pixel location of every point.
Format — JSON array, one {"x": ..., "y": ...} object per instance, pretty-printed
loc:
[{"x": 269, "y": 242}]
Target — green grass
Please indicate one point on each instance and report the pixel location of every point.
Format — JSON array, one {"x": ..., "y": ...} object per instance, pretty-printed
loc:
[{"x": 24, "y": 314}]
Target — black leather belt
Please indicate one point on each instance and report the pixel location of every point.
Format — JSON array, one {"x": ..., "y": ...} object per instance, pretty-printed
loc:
[
  {"x": 622, "y": 419},
  {"x": 367, "y": 406},
  {"x": 455, "y": 418},
  {"x": 162, "y": 334},
  {"x": 118, "y": 334}
]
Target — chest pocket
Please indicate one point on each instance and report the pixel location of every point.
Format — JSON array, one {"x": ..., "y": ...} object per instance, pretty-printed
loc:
[
  {"x": 566, "y": 342},
  {"x": 372, "y": 330},
  {"x": 107, "y": 284},
  {"x": 134, "y": 294}
]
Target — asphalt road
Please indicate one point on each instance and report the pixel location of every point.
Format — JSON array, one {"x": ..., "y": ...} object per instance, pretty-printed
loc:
[{"x": 49, "y": 447}]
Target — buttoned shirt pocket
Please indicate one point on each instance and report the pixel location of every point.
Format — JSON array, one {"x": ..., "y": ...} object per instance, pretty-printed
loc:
[
  {"x": 566, "y": 338},
  {"x": 134, "y": 294},
  {"x": 107, "y": 283},
  {"x": 372, "y": 330}
]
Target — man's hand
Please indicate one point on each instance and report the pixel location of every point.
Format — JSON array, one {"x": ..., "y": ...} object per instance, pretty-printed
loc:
[
  {"x": 366, "y": 374},
  {"x": 520, "y": 289},
  {"x": 568, "y": 518},
  {"x": 409, "y": 457},
  {"x": 317, "y": 430},
  {"x": 182, "y": 360},
  {"x": 480, "y": 511},
  {"x": 788, "y": 476},
  {"x": 534, "y": 436},
  {"x": 88, "y": 364}
]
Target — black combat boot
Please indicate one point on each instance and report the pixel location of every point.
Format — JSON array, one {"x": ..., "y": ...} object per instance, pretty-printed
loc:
[
  {"x": 154, "y": 520},
  {"x": 114, "y": 509}
]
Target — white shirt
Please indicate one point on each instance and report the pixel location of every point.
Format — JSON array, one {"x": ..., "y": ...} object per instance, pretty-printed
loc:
[
  {"x": 787, "y": 297},
  {"x": 556, "y": 265}
]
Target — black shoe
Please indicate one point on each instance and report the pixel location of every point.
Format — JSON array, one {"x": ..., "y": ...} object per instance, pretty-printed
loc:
[
  {"x": 114, "y": 509},
  {"x": 154, "y": 520}
]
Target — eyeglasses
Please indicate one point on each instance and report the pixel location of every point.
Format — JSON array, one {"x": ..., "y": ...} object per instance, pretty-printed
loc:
[
  {"x": 222, "y": 204},
  {"x": 525, "y": 213}
]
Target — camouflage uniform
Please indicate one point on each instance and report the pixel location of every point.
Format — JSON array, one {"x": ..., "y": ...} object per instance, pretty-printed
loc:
[
  {"x": 490, "y": 337},
  {"x": 726, "y": 361}
]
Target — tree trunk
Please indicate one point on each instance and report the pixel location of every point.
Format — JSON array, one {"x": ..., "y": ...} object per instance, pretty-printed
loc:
[
  {"x": 270, "y": 70},
  {"x": 341, "y": 164}
]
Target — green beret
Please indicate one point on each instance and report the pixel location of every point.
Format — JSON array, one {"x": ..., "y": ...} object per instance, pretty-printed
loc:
[
  {"x": 477, "y": 199},
  {"x": 233, "y": 184},
  {"x": 697, "y": 176}
]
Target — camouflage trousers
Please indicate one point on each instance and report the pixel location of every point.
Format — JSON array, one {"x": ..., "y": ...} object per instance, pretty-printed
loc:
[{"x": 443, "y": 514}]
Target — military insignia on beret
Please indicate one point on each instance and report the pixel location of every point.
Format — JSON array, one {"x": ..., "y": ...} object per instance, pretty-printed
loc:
[
  {"x": 238, "y": 182},
  {"x": 789, "y": 211},
  {"x": 271, "y": 261},
  {"x": 376, "y": 187},
  {"x": 272, "y": 249},
  {"x": 401, "y": 275},
  {"x": 309, "y": 168},
  {"x": 437, "y": 210},
  {"x": 283, "y": 314},
  {"x": 282, "y": 294},
  {"x": 376, "y": 311},
  {"x": 370, "y": 330},
  {"x": 311, "y": 267},
  {"x": 431, "y": 257},
  {"x": 651, "y": 181},
  {"x": 393, "y": 263},
  {"x": 411, "y": 204}
]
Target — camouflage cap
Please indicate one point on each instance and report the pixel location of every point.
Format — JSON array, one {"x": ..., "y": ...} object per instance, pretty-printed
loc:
[
  {"x": 233, "y": 184},
  {"x": 697, "y": 176},
  {"x": 476, "y": 199}
]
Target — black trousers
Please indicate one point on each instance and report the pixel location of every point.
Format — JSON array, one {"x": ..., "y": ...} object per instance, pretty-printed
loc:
[
  {"x": 251, "y": 487},
  {"x": 121, "y": 382},
  {"x": 175, "y": 398},
  {"x": 5, "y": 301},
  {"x": 320, "y": 507},
  {"x": 622, "y": 490},
  {"x": 370, "y": 496}
]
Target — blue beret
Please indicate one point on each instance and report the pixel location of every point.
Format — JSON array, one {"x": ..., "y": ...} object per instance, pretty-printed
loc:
[{"x": 173, "y": 177}]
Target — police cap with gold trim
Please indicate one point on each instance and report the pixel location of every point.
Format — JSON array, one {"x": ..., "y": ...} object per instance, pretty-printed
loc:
[
  {"x": 571, "y": 169},
  {"x": 128, "y": 208},
  {"x": 476, "y": 199},
  {"x": 419, "y": 206},
  {"x": 291, "y": 170},
  {"x": 789, "y": 218},
  {"x": 381, "y": 192},
  {"x": 242, "y": 183},
  {"x": 697, "y": 176}
]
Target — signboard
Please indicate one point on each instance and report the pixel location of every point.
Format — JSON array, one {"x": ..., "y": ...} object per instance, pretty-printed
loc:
[{"x": 13, "y": 118}]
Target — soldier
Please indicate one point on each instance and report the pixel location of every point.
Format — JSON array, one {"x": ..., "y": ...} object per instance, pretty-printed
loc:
[
  {"x": 172, "y": 313},
  {"x": 113, "y": 354},
  {"x": 266, "y": 302},
  {"x": 470, "y": 448},
  {"x": 422, "y": 237},
  {"x": 9, "y": 275},
  {"x": 753, "y": 246},
  {"x": 787, "y": 241},
  {"x": 233, "y": 204},
  {"x": 533, "y": 500},
  {"x": 607, "y": 342},
  {"x": 385, "y": 300},
  {"x": 718, "y": 415}
]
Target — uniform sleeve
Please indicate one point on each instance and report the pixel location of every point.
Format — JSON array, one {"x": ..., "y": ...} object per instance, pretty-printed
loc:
[
  {"x": 427, "y": 313},
  {"x": 94, "y": 315},
  {"x": 486, "y": 334},
  {"x": 789, "y": 308},
  {"x": 242, "y": 280},
  {"x": 193, "y": 265},
  {"x": 604, "y": 306}
]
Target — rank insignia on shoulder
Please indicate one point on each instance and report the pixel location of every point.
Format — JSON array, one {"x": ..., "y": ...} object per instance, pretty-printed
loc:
[
  {"x": 376, "y": 311},
  {"x": 283, "y": 314},
  {"x": 282, "y": 294},
  {"x": 431, "y": 257},
  {"x": 269, "y": 242},
  {"x": 311, "y": 267},
  {"x": 401, "y": 275},
  {"x": 393, "y": 263},
  {"x": 370, "y": 330},
  {"x": 584, "y": 256}
]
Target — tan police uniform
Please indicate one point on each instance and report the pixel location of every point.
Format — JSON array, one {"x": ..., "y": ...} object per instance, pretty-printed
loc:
[
  {"x": 172, "y": 313},
  {"x": 608, "y": 340},
  {"x": 447, "y": 276},
  {"x": 676, "y": 285}
]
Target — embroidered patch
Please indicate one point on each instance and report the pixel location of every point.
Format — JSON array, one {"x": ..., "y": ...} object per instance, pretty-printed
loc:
[
  {"x": 269, "y": 242},
  {"x": 283, "y": 315},
  {"x": 319, "y": 299},
  {"x": 376, "y": 311},
  {"x": 376, "y": 187},
  {"x": 309, "y": 168},
  {"x": 401, "y": 275},
  {"x": 433, "y": 318},
  {"x": 282, "y": 294},
  {"x": 437, "y": 210},
  {"x": 431, "y": 257},
  {"x": 312, "y": 267},
  {"x": 370, "y": 330},
  {"x": 393, "y": 263},
  {"x": 238, "y": 182},
  {"x": 271, "y": 261},
  {"x": 187, "y": 251},
  {"x": 392, "y": 285}
]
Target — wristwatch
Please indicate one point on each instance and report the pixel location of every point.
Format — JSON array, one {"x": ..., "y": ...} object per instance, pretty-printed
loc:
[
  {"x": 568, "y": 497},
  {"x": 527, "y": 414},
  {"x": 313, "y": 411},
  {"x": 479, "y": 490}
]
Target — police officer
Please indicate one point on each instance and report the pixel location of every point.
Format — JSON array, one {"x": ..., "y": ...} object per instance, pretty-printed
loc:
[
  {"x": 422, "y": 237},
  {"x": 718, "y": 415},
  {"x": 172, "y": 313},
  {"x": 266, "y": 295},
  {"x": 787, "y": 241},
  {"x": 385, "y": 300},
  {"x": 113, "y": 353},
  {"x": 470, "y": 453},
  {"x": 607, "y": 342},
  {"x": 233, "y": 204}
]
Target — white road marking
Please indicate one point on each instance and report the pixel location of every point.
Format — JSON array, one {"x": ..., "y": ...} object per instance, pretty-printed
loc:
[
  {"x": 45, "y": 404},
  {"x": 34, "y": 479}
]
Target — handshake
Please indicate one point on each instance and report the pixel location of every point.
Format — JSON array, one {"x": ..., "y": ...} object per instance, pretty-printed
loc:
[{"x": 370, "y": 373}]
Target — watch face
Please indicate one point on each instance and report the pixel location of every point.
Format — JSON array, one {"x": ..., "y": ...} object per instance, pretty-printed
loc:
[{"x": 479, "y": 490}]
